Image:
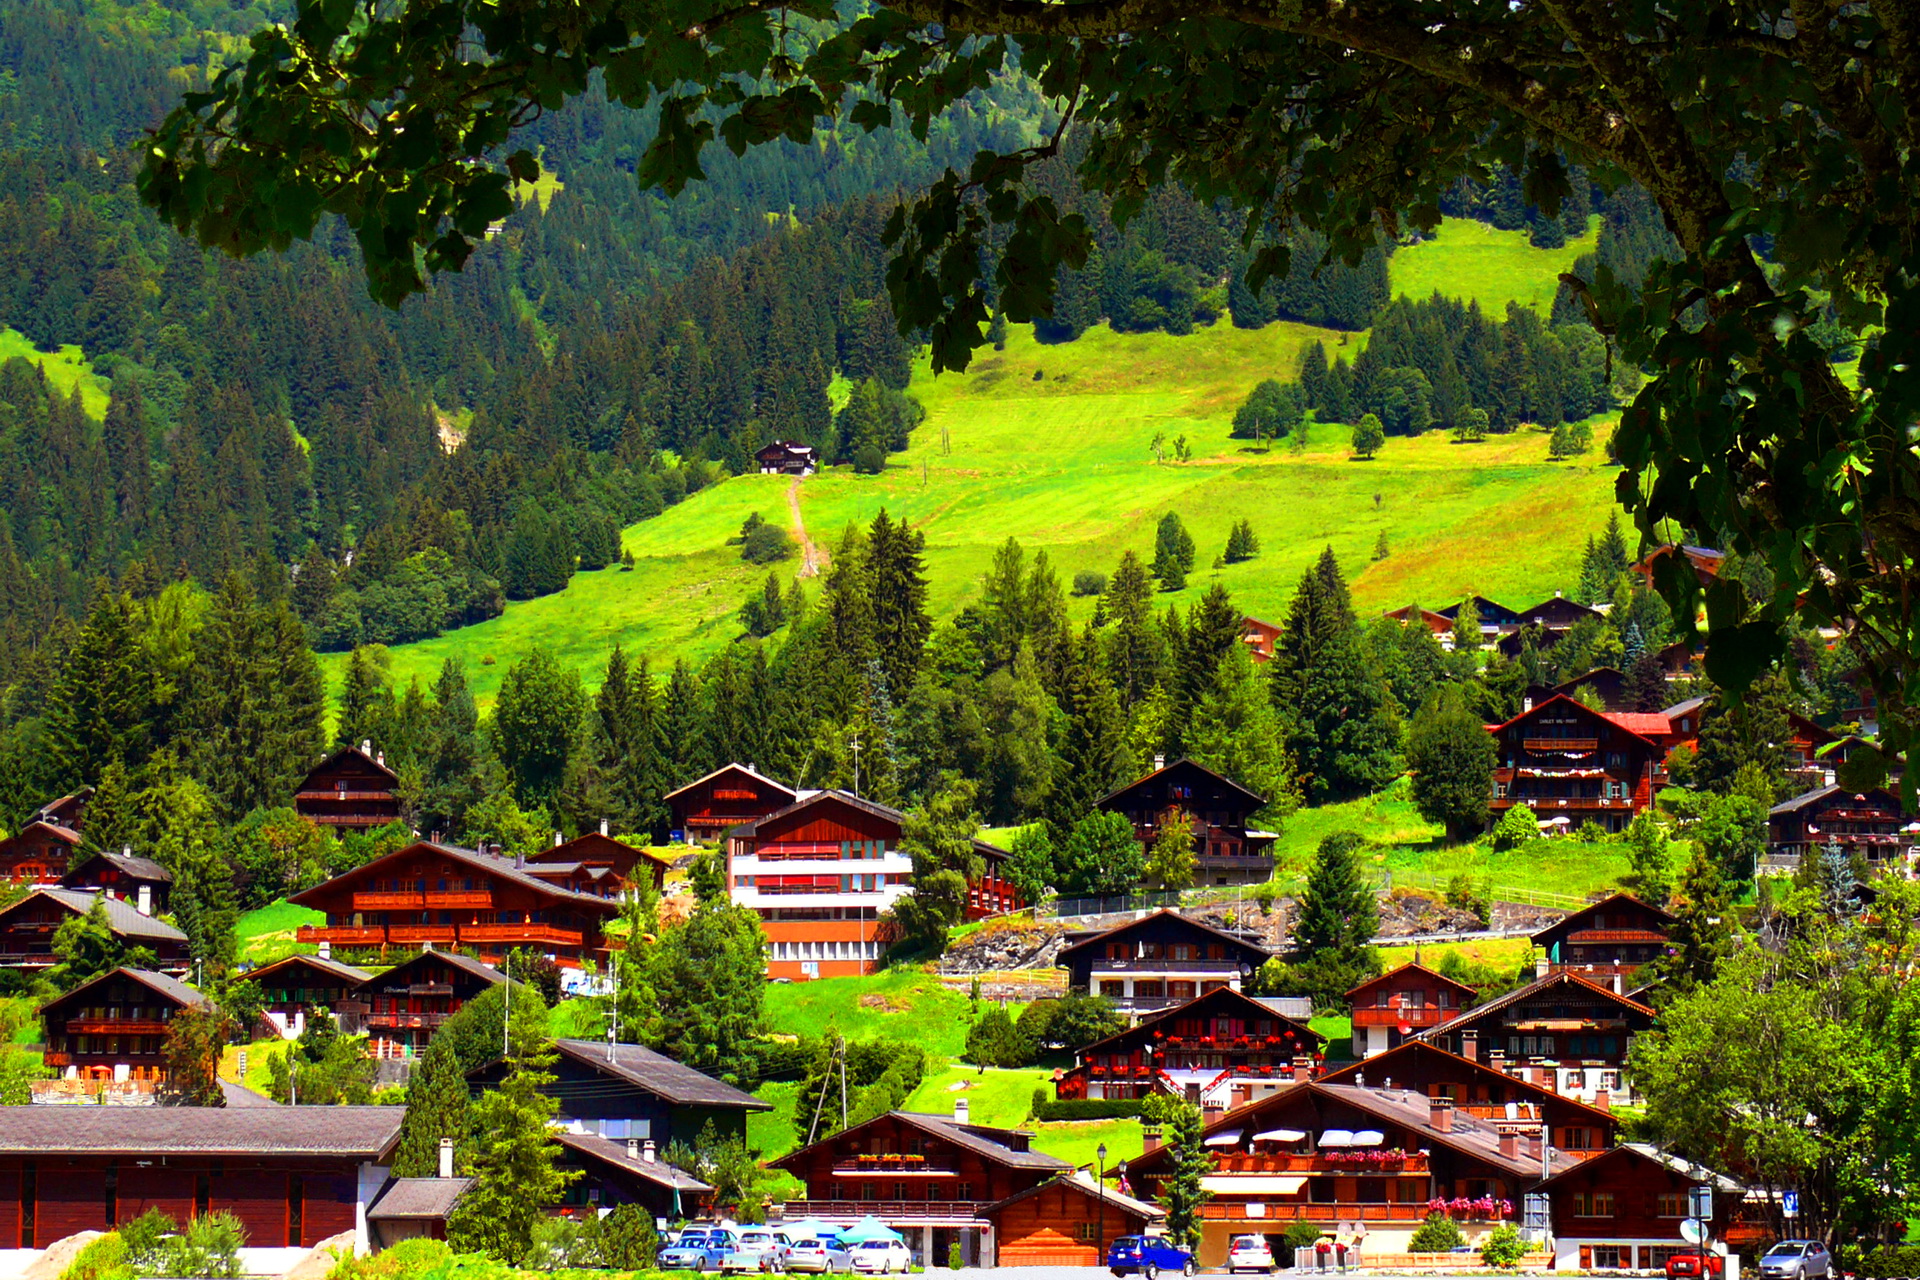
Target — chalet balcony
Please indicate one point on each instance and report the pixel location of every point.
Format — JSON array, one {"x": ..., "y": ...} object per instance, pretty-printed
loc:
[
  {"x": 521, "y": 933},
  {"x": 1539, "y": 803},
  {"x": 928, "y": 1211},
  {"x": 1424, "y": 1016},
  {"x": 389, "y": 901},
  {"x": 342, "y": 935},
  {"x": 1317, "y": 1164},
  {"x": 1561, "y": 744},
  {"x": 116, "y": 1027},
  {"x": 412, "y": 934},
  {"x": 413, "y": 1021},
  {"x": 57, "y": 1059},
  {"x": 355, "y": 819},
  {"x": 900, "y": 1166},
  {"x": 430, "y": 989},
  {"x": 1281, "y": 1211},
  {"x": 1207, "y": 968},
  {"x": 460, "y": 898}
]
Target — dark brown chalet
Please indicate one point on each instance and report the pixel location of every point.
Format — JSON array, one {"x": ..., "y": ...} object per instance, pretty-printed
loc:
[
  {"x": 1401, "y": 1003},
  {"x": 1353, "y": 1159},
  {"x": 1407, "y": 614},
  {"x": 290, "y": 987},
  {"x": 1215, "y": 807},
  {"x": 27, "y": 928},
  {"x": 1563, "y": 760},
  {"x": 1622, "y": 1210},
  {"x": 1872, "y": 824},
  {"x": 1219, "y": 1050},
  {"x": 785, "y": 458},
  {"x": 1614, "y": 936},
  {"x": 455, "y": 899},
  {"x": 597, "y": 865},
  {"x": 1494, "y": 616},
  {"x": 923, "y": 1175},
  {"x": 705, "y": 808},
  {"x": 1561, "y": 1032},
  {"x": 140, "y": 881},
  {"x": 400, "y": 1010},
  {"x": 351, "y": 790},
  {"x": 1544, "y": 624},
  {"x": 113, "y": 1030},
  {"x": 1509, "y": 1104},
  {"x": 1159, "y": 961},
  {"x": 41, "y": 853}
]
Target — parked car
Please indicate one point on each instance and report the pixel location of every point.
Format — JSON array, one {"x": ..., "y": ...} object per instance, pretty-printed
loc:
[
  {"x": 1148, "y": 1255},
  {"x": 1796, "y": 1260},
  {"x": 1249, "y": 1253},
  {"x": 1695, "y": 1265},
  {"x": 699, "y": 1249},
  {"x": 758, "y": 1249},
  {"x": 821, "y": 1255},
  {"x": 878, "y": 1257}
]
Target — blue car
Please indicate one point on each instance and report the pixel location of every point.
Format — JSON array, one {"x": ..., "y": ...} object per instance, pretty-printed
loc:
[
  {"x": 699, "y": 1249},
  {"x": 1148, "y": 1255}
]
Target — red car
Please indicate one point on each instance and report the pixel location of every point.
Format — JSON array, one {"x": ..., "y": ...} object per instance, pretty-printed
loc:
[{"x": 1696, "y": 1266}]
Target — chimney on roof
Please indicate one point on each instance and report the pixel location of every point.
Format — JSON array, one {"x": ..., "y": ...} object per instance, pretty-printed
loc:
[
  {"x": 1440, "y": 1114},
  {"x": 126, "y": 851},
  {"x": 1470, "y": 1045},
  {"x": 1618, "y": 988},
  {"x": 366, "y": 746},
  {"x": 960, "y": 1110},
  {"x": 603, "y": 826},
  {"x": 633, "y": 1148},
  {"x": 1540, "y": 966},
  {"x": 446, "y": 1157},
  {"x": 1510, "y": 1145},
  {"x": 1302, "y": 1069},
  {"x": 1159, "y": 762},
  {"x": 1536, "y": 1147},
  {"x": 1602, "y": 1101},
  {"x": 647, "y": 1152},
  {"x": 519, "y": 858},
  {"x": 558, "y": 840},
  {"x": 326, "y": 949},
  {"x": 144, "y": 904},
  {"x": 1526, "y": 703},
  {"x": 381, "y": 759}
]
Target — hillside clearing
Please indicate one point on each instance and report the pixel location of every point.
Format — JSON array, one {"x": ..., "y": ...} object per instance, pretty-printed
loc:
[{"x": 66, "y": 369}]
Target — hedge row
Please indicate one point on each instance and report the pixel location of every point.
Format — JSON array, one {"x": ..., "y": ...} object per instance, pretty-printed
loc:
[
  {"x": 1088, "y": 1109},
  {"x": 1889, "y": 1260}
]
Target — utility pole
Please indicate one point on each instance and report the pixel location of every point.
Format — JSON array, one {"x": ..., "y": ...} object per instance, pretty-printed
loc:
[
  {"x": 856, "y": 763},
  {"x": 843, "y": 1082},
  {"x": 506, "y": 999}
]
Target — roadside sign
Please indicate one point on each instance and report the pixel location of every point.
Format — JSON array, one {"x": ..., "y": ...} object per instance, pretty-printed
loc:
[
  {"x": 1700, "y": 1203},
  {"x": 1789, "y": 1204},
  {"x": 1535, "y": 1208}
]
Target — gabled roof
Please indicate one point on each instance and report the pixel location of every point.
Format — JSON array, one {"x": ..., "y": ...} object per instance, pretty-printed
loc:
[
  {"x": 1385, "y": 1066},
  {"x": 1219, "y": 995},
  {"x": 127, "y": 864},
  {"x": 613, "y": 1151},
  {"x": 363, "y": 1133},
  {"x": 325, "y": 964},
  {"x": 428, "y": 1198},
  {"x": 861, "y": 803},
  {"x": 65, "y": 835},
  {"x": 1638, "y": 724},
  {"x": 1184, "y": 762},
  {"x": 465, "y": 963},
  {"x": 1080, "y": 1182},
  {"x": 659, "y": 1075},
  {"x": 1573, "y": 920},
  {"x": 1646, "y": 724},
  {"x": 124, "y": 919},
  {"x": 1531, "y": 989},
  {"x": 1642, "y": 1151},
  {"x": 1806, "y": 798},
  {"x": 1390, "y": 974},
  {"x": 583, "y": 847},
  {"x": 747, "y": 769},
  {"x": 1130, "y": 925},
  {"x": 984, "y": 1141},
  {"x": 1452, "y": 611},
  {"x": 159, "y": 983},
  {"x": 345, "y": 752},
  {"x": 491, "y": 864}
]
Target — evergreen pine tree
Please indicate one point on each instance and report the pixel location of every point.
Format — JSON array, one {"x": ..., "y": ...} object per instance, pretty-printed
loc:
[
  {"x": 1183, "y": 1191},
  {"x": 1452, "y": 757},
  {"x": 1134, "y": 647},
  {"x": 102, "y": 705},
  {"x": 437, "y": 1107},
  {"x": 1702, "y": 933},
  {"x": 112, "y": 819},
  {"x": 1090, "y": 761},
  {"x": 1173, "y": 553},
  {"x": 1338, "y": 916},
  {"x": 313, "y": 585},
  {"x": 365, "y": 700},
  {"x": 1313, "y": 377},
  {"x": 1466, "y": 628},
  {"x": 452, "y": 782},
  {"x": 1343, "y": 730}
]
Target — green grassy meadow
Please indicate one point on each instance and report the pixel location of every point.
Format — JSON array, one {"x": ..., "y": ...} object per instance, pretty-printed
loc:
[
  {"x": 902, "y": 1004},
  {"x": 1063, "y": 461},
  {"x": 66, "y": 369},
  {"x": 267, "y": 934}
]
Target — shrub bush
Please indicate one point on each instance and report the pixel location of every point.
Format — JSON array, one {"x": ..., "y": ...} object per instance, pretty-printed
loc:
[
  {"x": 102, "y": 1259},
  {"x": 1885, "y": 1261},
  {"x": 1089, "y": 582},
  {"x": 1504, "y": 1247},
  {"x": 1303, "y": 1234},
  {"x": 1087, "y": 1109},
  {"x": 1438, "y": 1234}
]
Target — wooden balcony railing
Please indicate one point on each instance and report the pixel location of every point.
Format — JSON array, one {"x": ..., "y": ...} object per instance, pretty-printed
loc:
[
  {"x": 408, "y": 1020},
  {"x": 1561, "y": 744},
  {"x": 885, "y": 1210},
  {"x": 345, "y": 935},
  {"x": 116, "y": 1027},
  {"x": 897, "y": 1168},
  {"x": 418, "y": 933},
  {"x": 1281, "y": 1211},
  {"x": 521, "y": 933},
  {"x": 1316, "y": 1163},
  {"x": 388, "y": 900},
  {"x": 481, "y": 898},
  {"x": 1424, "y": 1016},
  {"x": 57, "y": 1059}
]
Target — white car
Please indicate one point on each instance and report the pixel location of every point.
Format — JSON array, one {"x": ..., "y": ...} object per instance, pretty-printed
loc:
[
  {"x": 758, "y": 1249},
  {"x": 822, "y": 1255},
  {"x": 877, "y": 1257},
  {"x": 1249, "y": 1253}
]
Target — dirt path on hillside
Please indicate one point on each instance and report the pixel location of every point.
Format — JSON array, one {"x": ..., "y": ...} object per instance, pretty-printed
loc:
[{"x": 813, "y": 557}]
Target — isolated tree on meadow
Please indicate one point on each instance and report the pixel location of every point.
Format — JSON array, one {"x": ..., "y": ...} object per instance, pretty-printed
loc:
[
  {"x": 1172, "y": 553},
  {"x": 1368, "y": 436}
]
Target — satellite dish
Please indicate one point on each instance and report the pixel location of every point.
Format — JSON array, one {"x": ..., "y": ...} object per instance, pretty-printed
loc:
[{"x": 1693, "y": 1231}]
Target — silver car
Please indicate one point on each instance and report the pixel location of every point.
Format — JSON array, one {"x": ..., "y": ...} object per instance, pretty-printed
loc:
[
  {"x": 1797, "y": 1260},
  {"x": 821, "y": 1255}
]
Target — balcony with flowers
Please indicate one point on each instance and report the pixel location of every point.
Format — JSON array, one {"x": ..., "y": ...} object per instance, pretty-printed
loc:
[{"x": 1475, "y": 1209}]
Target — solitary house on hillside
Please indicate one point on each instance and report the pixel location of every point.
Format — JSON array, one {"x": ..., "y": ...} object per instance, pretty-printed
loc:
[
  {"x": 785, "y": 458},
  {"x": 1217, "y": 810},
  {"x": 351, "y": 790}
]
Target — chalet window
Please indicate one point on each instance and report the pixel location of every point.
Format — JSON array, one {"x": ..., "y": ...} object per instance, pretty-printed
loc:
[
  {"x": 963, "y": 1191},
  {"x": 1409, "y": 1191},
  {"x": 1593, "y": 1204},
  {"x": 1090, "y": 1231},
  {"x": 869, "y": 1191},
  {"x": 1321, "y": 1190},
  {"x": 1380, "y": 998},
  {"x": 1601, "y": 1257},
  {"x": 1673, "y": 1204}
]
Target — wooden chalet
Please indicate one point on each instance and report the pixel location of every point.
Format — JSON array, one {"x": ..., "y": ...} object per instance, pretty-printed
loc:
[
  {"x": 40, "y": 853},
  {"x": 1401, "y": 1003},
  {"x": 1562, "y": 1032},
  {"x": 923, "y": 1175},
  {"x": 1159, "y": 961},
  {"x": 1678, "y": 660},
  {"x": 1439, "y": 623},
  {"x": 444, "y": 896},
  {"x": 1260, "y": 637},
  {"x": 351, "y": 790},
  {"x": 291, "y": 987},
  {"x": 1070, "y": 1220},
  {"x": 624, "y": 1091},
  {"x": 293, "y": 1176},
  {"x": 706, "y": 808},
  {"x": 785, "y": 458},
  {"x": 597, "y": 865},
  {"x": 1495, "y": 617},
  {"x": 399, "y": 1010},
  {"x": 1353, "y": 1159},
  {"x": 616, "y": 1171},
  {"x": 1218, "y": 809},
  {"x": 1564, "y": 760},
  {"x": 417, "y": 1208},
  {"x": 1873, "y": 824},
  {"x": 1544, "y": 624},
  {"x": 1805, "y": 741},
  {"x": 27, "y": 928},
  {"x": 1622, "y": 1211},
  {"x": 113, "y": 1030},
  {"x": 139, "y": 881},
  {"x": 1704, "y": 562},
  {"x": 1219, "y": 1050},
  {"x": 69, "y": 811},
  {"x": 1509, "y": 1104},
  {"x": 1615, "y": 936}
]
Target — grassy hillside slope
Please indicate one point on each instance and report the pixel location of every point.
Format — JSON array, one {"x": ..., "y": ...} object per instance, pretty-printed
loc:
[{"x": 1052, "y": 445}]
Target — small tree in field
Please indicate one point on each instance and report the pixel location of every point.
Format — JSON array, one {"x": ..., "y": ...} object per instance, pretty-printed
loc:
[{"x": 1368, "y": 436}]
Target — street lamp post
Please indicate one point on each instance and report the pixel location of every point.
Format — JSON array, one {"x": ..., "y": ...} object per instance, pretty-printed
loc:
[{"x": 1100, "y": 1235}]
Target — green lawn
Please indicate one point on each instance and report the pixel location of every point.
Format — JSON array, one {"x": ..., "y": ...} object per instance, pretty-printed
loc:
[
  {"x": 1339, "y": 1034},
  {"x": 65, "y": 369},
  {"x": 994, "y": 1096},
  {"x": 1472, "y": 260},
  {"x": 1498, "y": 953},
  {"x": 1063, "y": 462},
  {"x": 772, "y": 1133},
  {"x": 904, "y": 1004},
  {"x": 1078, "y": 1141},
  {"x": 267, "y": 934}
]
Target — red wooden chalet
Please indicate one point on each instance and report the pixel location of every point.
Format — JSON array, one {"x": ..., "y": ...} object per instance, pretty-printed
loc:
[
  {"x": 141, "y": 881},
  {"x": 27, "y": 928},
  {"x": 114, "y": 1028},
  {"x": 1215, "y": 807},
  {"x": 290, "y": 988},
  {"x": 1219, "y": 1050},
  {"x": 1622, "y": 1211},
  {"x": 1260, "y": 638},
  {"x": 1400, "y": 1003},
  {"x": 40, "y": 853},
  {"x": 1704, "y": 562},
  {"x": 351, "y": 790},
  {"x": 1564, "y": 760},
  {"x": 1614, "y": 936},
  {"x": 1562, "y": 1031},
  {"x": 598, "y": 865},
  {"x": 401, "y": 1009},
  {"x": 706, "y": 808},
  {"x": 1439, "y": 623},
  {"x": 1873, "y": 824}
]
